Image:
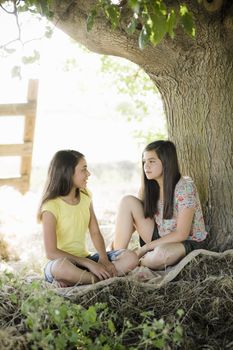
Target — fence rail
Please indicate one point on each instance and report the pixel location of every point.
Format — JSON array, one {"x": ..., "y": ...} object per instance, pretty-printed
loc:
[{"x": 24, "y": 149}]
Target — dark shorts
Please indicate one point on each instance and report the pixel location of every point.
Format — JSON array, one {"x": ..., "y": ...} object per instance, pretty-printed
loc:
[
  {"x": 112, "y": 255},
  {"x": 189, "y": 245}
]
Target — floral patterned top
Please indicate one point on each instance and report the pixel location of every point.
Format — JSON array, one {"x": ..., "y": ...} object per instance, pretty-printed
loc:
[{"x": 186, "y": 196}]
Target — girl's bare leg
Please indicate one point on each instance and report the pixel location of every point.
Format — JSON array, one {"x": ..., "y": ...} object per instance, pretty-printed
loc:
[
  {"x": 126, "y": 262},
  {"x": 130, "y": 216},
  {"x": 65, "y": 272},
  {"x": 164, "y": 255},
  {"x": 68, "y": 274}
]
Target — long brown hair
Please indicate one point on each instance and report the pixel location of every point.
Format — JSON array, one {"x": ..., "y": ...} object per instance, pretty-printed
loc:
[
  {"x": 166, "y": 152},
  {"x": 60, "y": 176}
]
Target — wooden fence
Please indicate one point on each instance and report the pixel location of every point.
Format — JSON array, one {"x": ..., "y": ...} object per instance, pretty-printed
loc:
[{"x": 24, "y": 149}]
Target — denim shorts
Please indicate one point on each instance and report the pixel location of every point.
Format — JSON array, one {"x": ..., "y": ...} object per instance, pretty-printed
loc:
[
  {"x": 189, "y": 245},
  {"x": 112, "y": 255}
]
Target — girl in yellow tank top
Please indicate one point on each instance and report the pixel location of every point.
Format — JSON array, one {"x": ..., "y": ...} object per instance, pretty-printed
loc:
[{"x": 67, "y": 214}]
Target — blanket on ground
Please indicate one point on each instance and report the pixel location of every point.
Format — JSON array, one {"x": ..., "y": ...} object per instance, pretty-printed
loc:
[{"x": 143, "y": 276}]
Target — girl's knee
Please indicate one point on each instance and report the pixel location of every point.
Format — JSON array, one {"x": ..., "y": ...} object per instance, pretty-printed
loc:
[
  {"x": 129, "y": 260},
  {"x": 59, "y": 268},
  {"x": 128, "y": 199},
  {"x": 164, "y": 255},
  {"x": 132, "y": 259},
  {"x": 156, "y": 259}
]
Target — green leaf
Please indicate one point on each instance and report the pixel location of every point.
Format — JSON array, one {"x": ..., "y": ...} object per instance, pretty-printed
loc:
[
  {"x": 183, "y": 10},
  {"x": 13, "y": 298},
  {"x": 90, "y": 20},
  {"x": 159, "y": 324},
  {"x": 113, "y": 14},
  {"x": 143, "y": 38},
  {"x": 178, "y": 334},
  {"x": 89, "y": 317},
  {"x": 9, "y": 51},
  {"x": 188, "y": 24},
  {"x": 44, "y": 7},
  {"x": 159, "y": 343},
  {"x": 159, "y": 7},
  {"x": 134, "y": 5},
  {"x": 171, "y": 23},
  {"x": 16, "y": 72},
  {"x": 111, "y": 326},
  {"x": 158, "y": 28},
  {"x": 180, "y": 312},
  {"x": 48, "y": 32},
  {"x": 132, "y": 26},
  {"x": 186, "y": 20},
  {"x": 31, "y": 59}
]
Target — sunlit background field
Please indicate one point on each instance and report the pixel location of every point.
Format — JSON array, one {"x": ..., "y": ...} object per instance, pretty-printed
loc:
[{"x": 82, "y": 106}]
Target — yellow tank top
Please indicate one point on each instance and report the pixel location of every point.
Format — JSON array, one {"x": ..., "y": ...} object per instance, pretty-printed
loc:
[{"x": 72, "y": 223}]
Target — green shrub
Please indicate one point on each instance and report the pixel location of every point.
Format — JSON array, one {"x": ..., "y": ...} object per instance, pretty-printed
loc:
[{"x": 49, "y": 321}]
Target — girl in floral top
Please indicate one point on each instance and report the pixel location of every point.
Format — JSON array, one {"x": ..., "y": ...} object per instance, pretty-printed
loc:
[{"x": 167, "y": 215}]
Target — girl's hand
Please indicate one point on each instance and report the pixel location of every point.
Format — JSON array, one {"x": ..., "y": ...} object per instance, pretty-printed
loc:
[
  {"x": 142, "y": 251},
  {"x": 98, "y": 270},
  {"x": 109, "y": 266}
]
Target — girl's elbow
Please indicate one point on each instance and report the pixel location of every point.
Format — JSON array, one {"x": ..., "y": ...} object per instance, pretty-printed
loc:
[
  {"x": 51, "y": 255},
  {"x": 183, "y": 236}
]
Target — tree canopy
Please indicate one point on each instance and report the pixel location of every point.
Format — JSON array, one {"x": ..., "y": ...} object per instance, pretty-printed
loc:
[{"x": 152, "y": 20}]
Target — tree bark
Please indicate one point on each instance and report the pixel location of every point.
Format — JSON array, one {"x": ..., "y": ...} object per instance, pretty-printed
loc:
[
  {"x": 198, "y": 104},
  {"x": 195, "y": 80}
]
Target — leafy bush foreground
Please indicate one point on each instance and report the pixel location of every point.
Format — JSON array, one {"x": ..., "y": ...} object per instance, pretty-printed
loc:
[
  {"x": 194, "y": 311},
  {"x": 35, "y": 317}
]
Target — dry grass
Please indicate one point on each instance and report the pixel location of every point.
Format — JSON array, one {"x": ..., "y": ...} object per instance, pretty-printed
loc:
[
  {"x": 203, "y": 289},
  {"x": 4, "y": 250}
]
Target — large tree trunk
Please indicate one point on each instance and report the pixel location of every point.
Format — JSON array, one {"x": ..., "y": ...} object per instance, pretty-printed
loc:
[
  {"x": 195, "y": 79},
  {"x": 198, "y": 104}
]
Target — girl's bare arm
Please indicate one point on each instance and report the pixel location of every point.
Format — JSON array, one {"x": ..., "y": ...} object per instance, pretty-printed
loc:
[
  {"x": 52, "y": 252},
  {"x": 99, "y": 244},
  {"x": 184, "y": 222}
]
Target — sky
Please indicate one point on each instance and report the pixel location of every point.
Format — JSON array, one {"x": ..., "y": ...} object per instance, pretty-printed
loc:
[{"x": 77, "y": 108}]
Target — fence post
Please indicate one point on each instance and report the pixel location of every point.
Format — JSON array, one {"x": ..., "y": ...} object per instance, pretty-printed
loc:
[{"x": 24, "y": 150}]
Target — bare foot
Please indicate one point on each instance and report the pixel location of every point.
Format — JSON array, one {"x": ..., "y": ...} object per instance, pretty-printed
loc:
[{"x": 60, "y": 284}]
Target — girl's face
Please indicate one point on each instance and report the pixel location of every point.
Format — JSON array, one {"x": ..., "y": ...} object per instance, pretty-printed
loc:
[
  {"x": 152, "y": 166},
  {"x": 81, "y": 174}
]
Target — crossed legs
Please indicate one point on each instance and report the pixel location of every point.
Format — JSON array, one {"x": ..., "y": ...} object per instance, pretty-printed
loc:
[
  {"x": 130, "y": 217},
  {"x": 163, "y": 255},
  {"x": 68, "y": 274}
]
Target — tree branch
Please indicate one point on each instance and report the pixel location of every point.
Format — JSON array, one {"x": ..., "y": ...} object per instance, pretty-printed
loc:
[
  {"x": 7, "y": 11},
  {"x": 17, "y": 19},
  {"x": 15, "y": 13},
  {"x": 103, "y": 39}
]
